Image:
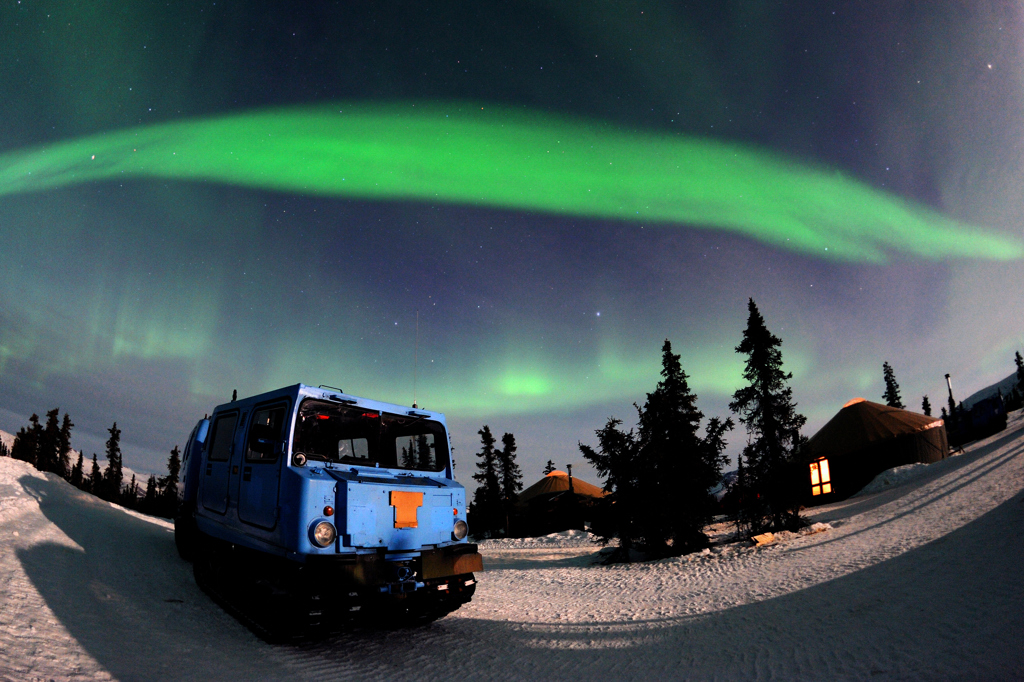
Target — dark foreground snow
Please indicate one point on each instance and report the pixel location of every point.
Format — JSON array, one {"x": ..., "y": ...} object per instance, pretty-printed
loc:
[{"x": 922, "y": 581}]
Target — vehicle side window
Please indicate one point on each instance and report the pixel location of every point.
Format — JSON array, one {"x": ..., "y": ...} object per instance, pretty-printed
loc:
[
  {"x": 220, "y": 440},
  {"x": 264, "y": 434}
]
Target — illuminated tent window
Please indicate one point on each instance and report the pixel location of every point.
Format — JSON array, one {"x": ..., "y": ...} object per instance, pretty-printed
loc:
[{"x": 821, "y": 481}]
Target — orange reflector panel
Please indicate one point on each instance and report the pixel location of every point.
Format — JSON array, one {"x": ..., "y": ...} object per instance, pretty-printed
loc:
[{"x": 405, "y": 505}]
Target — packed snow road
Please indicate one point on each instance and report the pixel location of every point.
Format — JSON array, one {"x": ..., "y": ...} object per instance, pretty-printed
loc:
[{"x": 921, "y": 581}]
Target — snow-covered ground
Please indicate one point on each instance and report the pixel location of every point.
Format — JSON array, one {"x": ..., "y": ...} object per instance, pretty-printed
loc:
[{"x": 924, "y": 580}]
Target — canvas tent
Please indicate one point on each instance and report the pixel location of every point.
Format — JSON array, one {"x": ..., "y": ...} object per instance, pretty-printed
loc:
[
  {"x": 557, "y": 502},
  {"x": 863, "y": 440}
]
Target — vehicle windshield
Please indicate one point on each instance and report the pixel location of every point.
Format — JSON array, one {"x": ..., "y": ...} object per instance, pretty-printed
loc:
[{"x": 344, "y": 434}]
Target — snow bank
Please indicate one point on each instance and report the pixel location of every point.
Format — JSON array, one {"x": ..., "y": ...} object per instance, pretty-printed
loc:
[{"x": 564, "y": 539}]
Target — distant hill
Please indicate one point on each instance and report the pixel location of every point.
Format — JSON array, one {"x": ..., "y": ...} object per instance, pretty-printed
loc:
[{"x": 1006, "y": 385}]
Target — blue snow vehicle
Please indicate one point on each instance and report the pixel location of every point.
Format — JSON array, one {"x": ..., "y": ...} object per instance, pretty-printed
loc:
[{"x": 304, "y": 508}]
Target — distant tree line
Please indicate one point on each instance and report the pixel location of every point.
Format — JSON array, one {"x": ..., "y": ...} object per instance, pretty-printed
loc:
[{"x": 47, "y": 447}]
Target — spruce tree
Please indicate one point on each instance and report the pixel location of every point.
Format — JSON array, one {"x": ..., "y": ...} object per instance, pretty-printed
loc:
[
  {"x": 169, "y": 486},
  {"x": 49, "y": 443},
  {"x": 4, "y": 450},
  {"x": 617, "y": 461},
  {"x": 679, "y": 466},
  {"x": 892, "y": 389},
  {"x": 112, "y": 476},
  {"x": 75, "y": 478},
  {"x": 1019, "y": 361},
  {"x": 511, "y": 478},
  {"x": 26, "y": 441},
  {"x": 64, "y": 448},
  {"x": 95, "y": 483},
  {"x": 130, "y": 496},
  {"x": 487, "y": 497},
  {"x": 549, "y": 467},
  {"x": 926, "y": 407},
  {"x": 765, "y": 407},
  {"x": 661, "y": 477},
  {"x": 149, "y": 502},
  {"x": 424, "y": 456},
  {"x": 409, "y": 457}
]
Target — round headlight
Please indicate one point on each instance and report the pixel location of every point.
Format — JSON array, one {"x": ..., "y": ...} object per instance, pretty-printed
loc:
[
  {"x": 324, "y": 534},
  {"x": 460, "y": 530}
]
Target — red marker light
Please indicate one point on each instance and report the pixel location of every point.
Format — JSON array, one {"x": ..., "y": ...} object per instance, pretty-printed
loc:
[
  {"x": 370, "y": 415},
  {"x": 323, "y": 416},
  {"x": 328, "y": 511},
  {"x": 455, "y": 512}
]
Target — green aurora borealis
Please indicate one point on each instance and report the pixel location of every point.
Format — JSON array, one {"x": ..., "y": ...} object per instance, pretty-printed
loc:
[
  {"x": 196, "y": 198},
  {"x": 497, "y": 157}
]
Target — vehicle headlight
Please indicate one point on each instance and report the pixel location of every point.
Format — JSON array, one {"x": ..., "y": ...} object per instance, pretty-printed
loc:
[
  {"x": 324, "y": 534},
  {"x": 460, "y": 530}
]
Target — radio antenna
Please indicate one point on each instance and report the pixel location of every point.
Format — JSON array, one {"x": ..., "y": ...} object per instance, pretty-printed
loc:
[{"x": 415, "y": 359}]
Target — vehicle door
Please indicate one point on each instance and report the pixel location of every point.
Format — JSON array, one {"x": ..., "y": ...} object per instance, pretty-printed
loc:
[
  {"x": 261, "y": 468},
  {"x": 213, "y": 489}
]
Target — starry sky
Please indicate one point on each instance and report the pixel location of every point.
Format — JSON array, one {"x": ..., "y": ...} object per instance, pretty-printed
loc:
[{"x": 501, "y": 209}]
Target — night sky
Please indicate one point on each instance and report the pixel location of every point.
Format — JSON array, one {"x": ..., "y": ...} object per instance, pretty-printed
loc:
[{"x": 173, "y": 226}]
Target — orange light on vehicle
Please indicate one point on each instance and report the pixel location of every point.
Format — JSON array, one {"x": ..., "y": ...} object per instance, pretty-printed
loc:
[
  {"x": 328, "y": 511},
  {"x": 455, "y": 512}
]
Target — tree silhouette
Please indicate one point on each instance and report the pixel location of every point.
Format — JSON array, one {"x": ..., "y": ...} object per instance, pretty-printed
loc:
[
  {"x": 549, "y": 467},
  {"x": 4, "y": 450},
  {"x": 75, "y": 477},
  {"x": 112, "y": 476},
  {"x": 95, "y": 483},
  {"x": 424, "y": 455},
  {"x": 48, "y": 444},
  {"x": 926, "y": 407},
  {"x": 168, "y": 485},
  {"x": 487, "y": 507},
  {"x": 892, "y": 389},
  {"x": 64, "y": 447},
  {"x": 660, "y": 476},
  {"x": 149, "y": 499},
  {"x": 26, "y": 441},
  {"x": 765, "y": 406},
  {"x": 511, "y": 478}
]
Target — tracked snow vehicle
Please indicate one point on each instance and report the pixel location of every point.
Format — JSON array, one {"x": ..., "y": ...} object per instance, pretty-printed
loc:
[{"x": 304, "y": 508}]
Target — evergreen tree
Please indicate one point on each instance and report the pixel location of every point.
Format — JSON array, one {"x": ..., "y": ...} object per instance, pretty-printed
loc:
[
  {"x": 661, "y": 477},
  {"x": 549, "y": 467},
  {"x": 64, "y": 448},
  {"x": 95, "y": 483},
  {"x": 945, "y": 415},
  {"x": 926, "y": 407},
  {"x": 130, "y": 495},
  {"x": 487, "y": 497},
  {"x": 112, "y": 476},
  {"x": 616, "y": 460},
  {"x": 511, "y": 478},
  {"x": 49, "y": 443},
  {"x": 765, "y": 406},
  {"x": 680, "y": 467},
  {"x": 892, "y": 389},
  {"x": 149, "y": 501},
  {"x": 1019, "y": 361},
  {"x": 409, "y": 457},
  {"x": 76, "y": 473},
  {"x": 168, "y": 505},
  {"x": 424, "y": 455},
  {"x": 4, "y": 450},
  {"x": 26, "y": 441}
]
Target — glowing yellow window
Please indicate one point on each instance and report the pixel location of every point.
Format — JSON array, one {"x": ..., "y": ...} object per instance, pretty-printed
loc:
[{"x": 821, "y": 480}]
